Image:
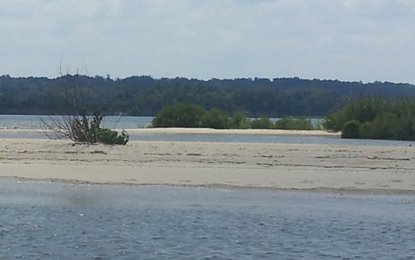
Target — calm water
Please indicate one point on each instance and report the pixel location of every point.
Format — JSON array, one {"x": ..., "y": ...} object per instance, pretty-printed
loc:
[
  {"x": 59, "y": 221},
  {"x": 33, "y": 122}
]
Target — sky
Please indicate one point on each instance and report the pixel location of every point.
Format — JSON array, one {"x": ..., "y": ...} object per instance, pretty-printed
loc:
[{"x": 350, "y": 40}]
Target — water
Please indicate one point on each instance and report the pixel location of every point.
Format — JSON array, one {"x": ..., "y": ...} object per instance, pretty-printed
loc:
[
  {"x": 281, "y": 139},
  {"x": 61, "y": 221},
  {"x": 27, "y": 122}
]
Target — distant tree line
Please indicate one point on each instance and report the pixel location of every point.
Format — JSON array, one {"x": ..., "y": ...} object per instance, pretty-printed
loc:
[{"x": 146, "y": 96}]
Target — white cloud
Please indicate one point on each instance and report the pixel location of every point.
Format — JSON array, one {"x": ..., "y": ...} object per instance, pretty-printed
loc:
[{"x": 345, "y": 39}]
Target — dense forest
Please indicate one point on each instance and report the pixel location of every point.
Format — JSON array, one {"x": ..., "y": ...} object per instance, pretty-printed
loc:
[{"x": 144, "y": 95}]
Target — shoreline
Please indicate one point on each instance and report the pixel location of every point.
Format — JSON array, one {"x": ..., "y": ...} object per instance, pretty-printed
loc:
[{"x": 322, "y": 190}]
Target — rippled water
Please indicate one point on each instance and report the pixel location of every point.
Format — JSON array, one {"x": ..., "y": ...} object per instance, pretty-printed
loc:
[{"x": 60, "y": 221}]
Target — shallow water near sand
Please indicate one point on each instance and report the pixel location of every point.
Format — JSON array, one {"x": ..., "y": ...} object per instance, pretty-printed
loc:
[{"x": 64, "y": 221}]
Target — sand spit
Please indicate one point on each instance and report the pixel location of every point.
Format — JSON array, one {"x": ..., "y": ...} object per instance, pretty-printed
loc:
[
  {"x": 201, "y": 131},
  {"x": 312, "y": 167},
  {"x": 210, "y": 131}
]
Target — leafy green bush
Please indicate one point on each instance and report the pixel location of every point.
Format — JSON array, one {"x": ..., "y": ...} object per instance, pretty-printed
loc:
[
  {"x": 180, "y": 115},
  {"x": 214, "y": 118},
  {"x": 238, "y": 121},
  {"x": 361, "y": 110},
  {"x": 351, "y": 129},
  {"x": 187, "y": 115},
  {"x": 84, "y": 130},
  {"x": 294, "y": 124},
  {"x": 184, "y": 115},
  {"x": 388, "y": 126},
  {"x": 376, "y": 118},
  {"x": 108, "y": 136},
  {"x": 261, "y": 123}
]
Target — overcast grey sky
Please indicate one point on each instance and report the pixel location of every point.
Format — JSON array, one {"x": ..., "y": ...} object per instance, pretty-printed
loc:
[{"x": 351, "y": 40}]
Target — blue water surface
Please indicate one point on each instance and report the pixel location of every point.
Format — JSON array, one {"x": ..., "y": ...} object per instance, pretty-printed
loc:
[{"x": 62, "y": 221}]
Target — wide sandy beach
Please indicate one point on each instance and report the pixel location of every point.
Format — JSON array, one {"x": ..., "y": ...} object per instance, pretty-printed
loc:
[{"x": 334, "y": 168}]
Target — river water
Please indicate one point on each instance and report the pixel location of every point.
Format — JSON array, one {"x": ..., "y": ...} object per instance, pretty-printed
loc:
[{"x": 63, "y": 221}]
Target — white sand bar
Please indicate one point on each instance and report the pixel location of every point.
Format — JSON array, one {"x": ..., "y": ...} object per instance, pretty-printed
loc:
[
  {"x": 339, "y": 168},
  {"x": 210, "y": 131}
]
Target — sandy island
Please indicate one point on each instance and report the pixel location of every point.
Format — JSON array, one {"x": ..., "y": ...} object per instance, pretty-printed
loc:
[{"x": 336, "y": 168}]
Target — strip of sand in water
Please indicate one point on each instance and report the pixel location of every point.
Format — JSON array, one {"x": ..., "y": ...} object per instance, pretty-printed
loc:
[
  {"x": 338, "y": 168},
  {"x": 208, "y": 131},
  {"x": 198, "y": 131}
]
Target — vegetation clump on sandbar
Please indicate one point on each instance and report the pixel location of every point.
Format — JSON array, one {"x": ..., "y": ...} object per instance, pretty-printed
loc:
[
  {"x": 76, "y": 123},
  {"x": 375, "y": 118},
  {"x": 366, "y": 118},
  {"x": 190, "y": 115},
  {"x": 85, "y": 130}
]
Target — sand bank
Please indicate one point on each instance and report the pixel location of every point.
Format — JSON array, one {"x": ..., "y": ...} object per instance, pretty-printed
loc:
[
  {"x": 208, "y": 131},
  {"x": 197, "y": 131},
  {"x": 271, "y": 166}
]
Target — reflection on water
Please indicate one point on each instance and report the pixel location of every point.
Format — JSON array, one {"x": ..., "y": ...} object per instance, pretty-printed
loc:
[{"x": 44, "y": 220}]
